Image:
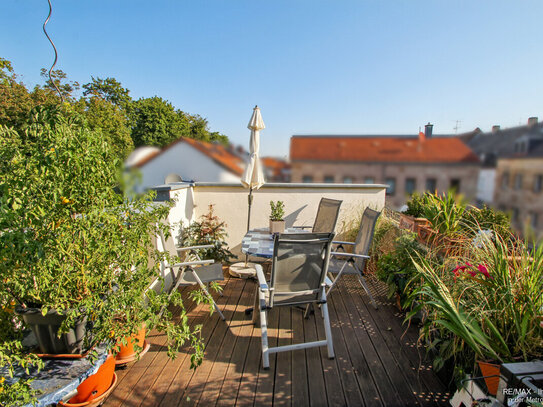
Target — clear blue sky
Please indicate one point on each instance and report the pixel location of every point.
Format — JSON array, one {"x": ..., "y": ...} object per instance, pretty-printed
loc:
[{"x": 313, "y": 66}]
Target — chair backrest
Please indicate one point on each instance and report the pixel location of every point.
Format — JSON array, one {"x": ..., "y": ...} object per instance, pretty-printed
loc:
[
  {"x": 299, "y": 267},
  {"x": 327, "y": 214},
  {"x": 365, "y": 235}
]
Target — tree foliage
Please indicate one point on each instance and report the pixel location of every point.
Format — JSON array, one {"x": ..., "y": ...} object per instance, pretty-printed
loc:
[{"x": 105, "y": 106}]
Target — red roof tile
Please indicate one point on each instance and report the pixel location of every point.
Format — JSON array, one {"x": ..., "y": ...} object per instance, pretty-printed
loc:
[
  {"x": 217, "y": 152},
  {"x": 381, "y": 149}
]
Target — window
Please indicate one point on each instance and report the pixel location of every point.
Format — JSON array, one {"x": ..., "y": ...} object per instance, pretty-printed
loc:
[
  {"x": 533, "y": 220},
  {"x": 516, "y": 215},
  {"x": 369, "y": 180},
  {"x": 455, "y": 184},
  {"x": 505, "y": 180},
  {"x": 431, "y": 184},
  {"x": 329, "y": 179},
  {"x": 347, "y": 180},
  {"x": 518, "y": 181},
  {"x": 410, "y": 185},
  {"x": 391, "y": 189},
  {"x": 538, "y": 183},
  {"x": 307, "y": 178}
]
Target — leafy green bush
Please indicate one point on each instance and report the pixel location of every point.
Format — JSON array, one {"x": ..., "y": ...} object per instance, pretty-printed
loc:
[
  {"x": 486, "y": 218},
  {"x": 415, "y": 205},
  {"x": 445, "y": 212},
  {"x": 208, "y": 230},
  {"x": 70, "y": 243},
  {"x": 396, "y": 267}
]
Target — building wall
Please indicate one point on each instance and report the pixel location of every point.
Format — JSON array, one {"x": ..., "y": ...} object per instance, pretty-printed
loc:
[
  {"x": 186, "y": 161},
  {"x": 301, "y": 203},
  {"x": 379, "y": 172},
  {"x": 520, "y": 200}
]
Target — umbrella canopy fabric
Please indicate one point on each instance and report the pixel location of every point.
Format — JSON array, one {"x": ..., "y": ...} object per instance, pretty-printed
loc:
[{"x": 253, "y": 177}]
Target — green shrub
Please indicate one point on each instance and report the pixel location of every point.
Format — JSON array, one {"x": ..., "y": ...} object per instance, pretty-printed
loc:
[
  {"x": 208, "y": 230},
  {"x": 415, "y": 205}
]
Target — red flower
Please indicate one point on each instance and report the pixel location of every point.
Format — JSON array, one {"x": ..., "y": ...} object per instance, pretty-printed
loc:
[{"x": 483, "y": 270}]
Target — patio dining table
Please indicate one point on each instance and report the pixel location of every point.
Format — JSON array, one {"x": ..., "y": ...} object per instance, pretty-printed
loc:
[{"x": 259, "y": 242}]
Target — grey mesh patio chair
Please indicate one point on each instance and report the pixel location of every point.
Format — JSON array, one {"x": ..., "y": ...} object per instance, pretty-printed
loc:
[
  {"x": 299, "y": 266},
  {"x": 326, "y": 219},
  {"x": 192, "y": 271},
  {"x": 355, "y": 262}
]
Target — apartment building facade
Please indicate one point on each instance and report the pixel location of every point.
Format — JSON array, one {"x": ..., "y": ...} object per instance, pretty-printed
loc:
[
  {"x": 406, "y": 164},
  {"x": 519, "y": 190}
]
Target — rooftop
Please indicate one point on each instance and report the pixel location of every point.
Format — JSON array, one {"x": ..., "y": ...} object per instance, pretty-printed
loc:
[{"x": 402, "y": 149}]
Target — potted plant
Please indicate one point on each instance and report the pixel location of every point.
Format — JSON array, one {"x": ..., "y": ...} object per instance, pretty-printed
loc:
[
  {"x": 482, "y": 306},
  {"x": 413, "y": 216},
  {"x": 72, "y": 245},
  {"x": 209, "y": 229},
  {"x": 277, "y": 223}
]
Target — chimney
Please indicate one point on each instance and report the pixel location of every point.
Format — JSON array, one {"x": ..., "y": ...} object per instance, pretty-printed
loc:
[
  {"x": 532, "y": 121},
  {"x": 428, "y": 130},
  {"x": 495, "y": 129}
]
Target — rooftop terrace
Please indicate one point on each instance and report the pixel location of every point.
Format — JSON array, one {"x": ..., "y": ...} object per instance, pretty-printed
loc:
[{"x": 377, "y": 360}]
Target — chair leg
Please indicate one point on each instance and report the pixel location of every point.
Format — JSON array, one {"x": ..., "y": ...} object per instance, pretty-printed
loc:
[
  {"x": 203, "y": 287},
  {"x": 327, "y": 329},
  {"x": 264, "y": 332},
  {"x": 337, "y": 278},
  {"x": 365, "y": 286}
]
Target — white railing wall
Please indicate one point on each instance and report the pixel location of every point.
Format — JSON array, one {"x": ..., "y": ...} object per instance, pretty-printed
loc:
[{"x": 301, "y": 202}]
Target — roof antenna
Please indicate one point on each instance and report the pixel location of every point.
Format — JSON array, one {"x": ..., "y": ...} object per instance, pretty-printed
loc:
[{"x": 55, "y": 49}]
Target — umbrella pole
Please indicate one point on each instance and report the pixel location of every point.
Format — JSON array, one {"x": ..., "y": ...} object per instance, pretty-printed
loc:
[{"x": 250, "y": 200}]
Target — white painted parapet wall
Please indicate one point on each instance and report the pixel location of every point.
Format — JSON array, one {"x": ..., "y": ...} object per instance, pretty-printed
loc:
[{"x": 301, "y": 202}]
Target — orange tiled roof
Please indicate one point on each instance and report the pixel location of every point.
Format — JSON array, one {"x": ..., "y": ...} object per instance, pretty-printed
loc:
[
  {"x": 381, "y": 149},
  {"x": 217, "y": 152}
]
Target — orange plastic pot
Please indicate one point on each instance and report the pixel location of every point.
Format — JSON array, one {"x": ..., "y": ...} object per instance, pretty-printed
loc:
[
  {"x": 127, "y": 351},
  {"x": 95, "y": 402},
  {"x": 97, "y": 384}
]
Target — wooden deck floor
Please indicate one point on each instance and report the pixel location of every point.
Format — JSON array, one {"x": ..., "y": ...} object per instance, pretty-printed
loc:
[{"x": 376, "y": 364}]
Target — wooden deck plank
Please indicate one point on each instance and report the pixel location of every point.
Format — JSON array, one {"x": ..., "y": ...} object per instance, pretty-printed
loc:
[
  {"x": 317, "y": 388},
  {"x": 353, "y": 292},
  {"x": 372, "y": 358},
  {"x": 282, "y": 392},
  {"x": 217, "y": 376},
  {"x": 213, "y": 348},
  {"x": 235, "y": 372},
  {"x": 179, "y": 380},
  {"x": 300, "y": 389},
  {"x": 360, "y": 365},
  {"x": 332, "y": 381}
]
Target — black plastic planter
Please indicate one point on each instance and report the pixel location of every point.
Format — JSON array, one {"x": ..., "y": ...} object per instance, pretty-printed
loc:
[{"x": 46, "y": 328}]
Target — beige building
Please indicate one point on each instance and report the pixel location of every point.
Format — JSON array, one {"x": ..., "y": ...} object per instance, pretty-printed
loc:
[
  {"x": 406, "y": 164},
  {"x": 519, "y": 191}
]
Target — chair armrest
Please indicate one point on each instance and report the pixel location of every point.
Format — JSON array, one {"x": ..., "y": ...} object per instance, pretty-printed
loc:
[
  {"x": 340, "y": 242},
  {"x": 184, "y": 249},
  {"x": 193, "y": 263},
  {"x": 261, "y": 278},
  {"x": 345, "y": 254},
  {"x": 302, "y": 227}
]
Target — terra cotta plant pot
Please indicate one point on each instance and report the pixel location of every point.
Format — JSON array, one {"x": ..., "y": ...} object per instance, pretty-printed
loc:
[
  {"x": 127, "y": 351},
  {"x": 94, "y": 402},
  {"x": 97, "y": 384},
  {"x": 407, "y": 222}
]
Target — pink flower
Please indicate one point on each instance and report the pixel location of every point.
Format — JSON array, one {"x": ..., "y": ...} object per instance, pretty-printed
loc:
[
  {"x": 458, "y": 269},
  {"x": 472, "y": 273}
]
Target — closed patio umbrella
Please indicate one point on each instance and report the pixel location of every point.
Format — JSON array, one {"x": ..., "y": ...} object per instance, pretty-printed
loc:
[{"x": 253, "y": 178}]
